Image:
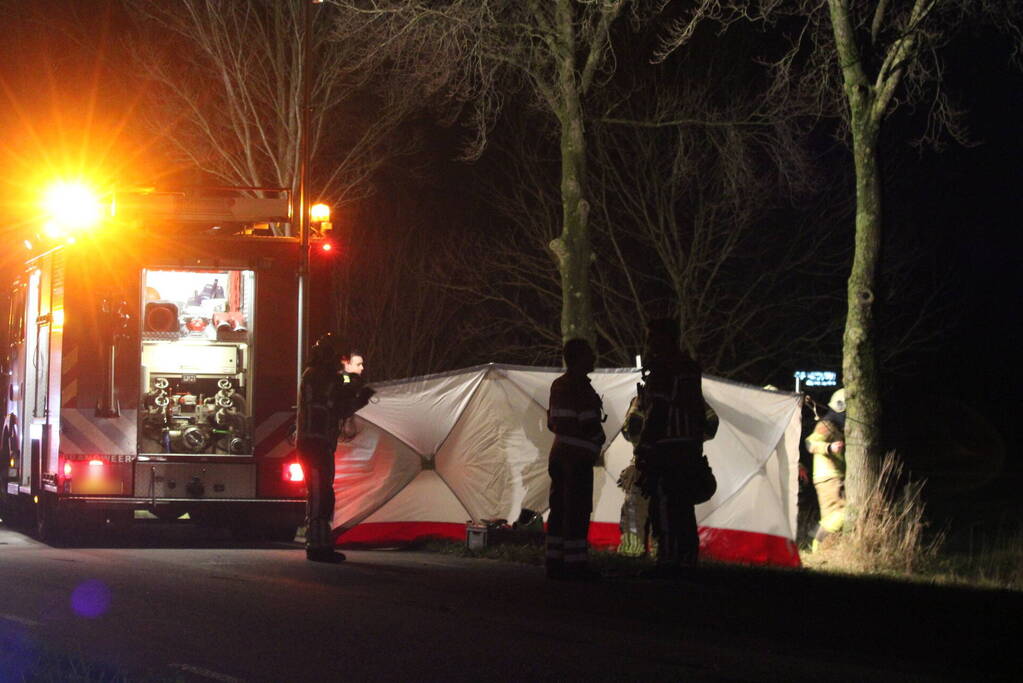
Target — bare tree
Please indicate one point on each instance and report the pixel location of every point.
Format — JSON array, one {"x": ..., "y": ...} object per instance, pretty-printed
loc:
[
  {"x": 860, "y": 61},
  {"x": 223, "y": 87},
  {"x": 689, "y": 192},
  {"x": 704, "y": 201},
  {"x": 478, "y": 52},
  {"x": 387, "y": 302}
]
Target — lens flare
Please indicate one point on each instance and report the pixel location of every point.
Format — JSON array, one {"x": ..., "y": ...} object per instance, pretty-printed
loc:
[
  {"x": 91, "y": 599},
  {"x": 71, "y": 206}
]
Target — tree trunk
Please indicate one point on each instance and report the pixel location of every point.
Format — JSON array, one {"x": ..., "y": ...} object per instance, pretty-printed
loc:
[
  {"x": 572, "y": 248},
  {"x": 859, "y": 364}
]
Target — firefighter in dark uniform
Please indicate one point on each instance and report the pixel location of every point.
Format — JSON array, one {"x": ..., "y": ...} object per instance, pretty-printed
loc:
[
  {"x": 670, "y": 447},
  {"x": 575, "y": 416},
  {"x": 320, "y": 411},
  {"x": 355, "y": 392}
]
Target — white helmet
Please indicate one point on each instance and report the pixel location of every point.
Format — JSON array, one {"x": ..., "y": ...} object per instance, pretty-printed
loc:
[{"x": 837, "y": 402}]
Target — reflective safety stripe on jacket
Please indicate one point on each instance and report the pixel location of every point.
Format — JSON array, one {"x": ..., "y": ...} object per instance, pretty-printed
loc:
[
  {"x": 589, "y": 446},
  {"x": 574, "y": 415}
]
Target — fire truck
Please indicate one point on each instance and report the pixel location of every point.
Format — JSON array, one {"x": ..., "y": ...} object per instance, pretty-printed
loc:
[{"x": 151, "y": 366}]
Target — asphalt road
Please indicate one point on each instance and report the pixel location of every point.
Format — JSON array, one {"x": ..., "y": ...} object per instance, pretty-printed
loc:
[{"x": 173, "y": 606}]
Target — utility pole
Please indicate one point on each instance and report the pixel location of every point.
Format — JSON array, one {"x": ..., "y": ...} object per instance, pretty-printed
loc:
[{"x": 301, "y": 199}]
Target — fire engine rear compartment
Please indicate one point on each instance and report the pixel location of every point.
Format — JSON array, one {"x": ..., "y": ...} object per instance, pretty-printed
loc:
[
  {"x": 166, "y": 391},
  {"x": 196, "y": 362}
]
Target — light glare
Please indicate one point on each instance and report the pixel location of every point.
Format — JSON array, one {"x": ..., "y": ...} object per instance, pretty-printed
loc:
[
  {"x": 70, "y": 206},
  {"x": 319, "y": 213}
]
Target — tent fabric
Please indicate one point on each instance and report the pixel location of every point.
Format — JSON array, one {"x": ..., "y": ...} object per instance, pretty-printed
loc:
[{"x": 431, "y": 453}]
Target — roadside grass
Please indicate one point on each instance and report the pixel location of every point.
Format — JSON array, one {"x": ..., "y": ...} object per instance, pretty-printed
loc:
[
  {"x": 996, "y": 564},
  {"x": 891, "y": 540},
  {"x": 888, "y": 535},
  {"x": 607, "y": 563},
  {"x": 19, "y": 663}
]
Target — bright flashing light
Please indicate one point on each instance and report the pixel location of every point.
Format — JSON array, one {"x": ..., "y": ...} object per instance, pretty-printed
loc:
[
  {"x": 95, "y": 463},
  {"x": 293, "y": 472},
  {"x": 319, "y": 213},
  {"x": 71, "y": 206},
  {"x": 327, "y": 246},
  {"x": 57, "y": 318},
  {"x": 67, "y": 469},
  {"x": 12, "y": 462},
  {"x": 52, "y": 230}
]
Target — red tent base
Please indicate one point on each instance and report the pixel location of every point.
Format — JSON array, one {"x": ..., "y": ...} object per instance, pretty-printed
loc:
[
  {"x": 725, "y": 545},
  {"x": 382, "y": 534}
]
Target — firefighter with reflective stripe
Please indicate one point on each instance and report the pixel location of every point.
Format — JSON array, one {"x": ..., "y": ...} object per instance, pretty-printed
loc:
[
  {"x": 670, "y": 445},
  {"x": 320, "y": 411},
  {"x": 355, "y": 392},
  {"x": 634, "y": 519},
  {"x": 827, "y": 445},
  {"x": 575, "y": 415}
]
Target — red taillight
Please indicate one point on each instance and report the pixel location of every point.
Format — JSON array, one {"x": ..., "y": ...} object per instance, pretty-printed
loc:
[{"x": 293, "y": 472}]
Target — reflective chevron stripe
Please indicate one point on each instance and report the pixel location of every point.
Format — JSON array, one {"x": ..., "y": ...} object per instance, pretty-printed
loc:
[
  {"x": 82, "y": 432},
  {"x": 272, "y": 435},
  {"x": 69, "y": 379}
]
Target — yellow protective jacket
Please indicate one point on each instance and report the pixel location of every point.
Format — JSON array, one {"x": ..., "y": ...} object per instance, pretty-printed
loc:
[{"x": 828, "y": 460}]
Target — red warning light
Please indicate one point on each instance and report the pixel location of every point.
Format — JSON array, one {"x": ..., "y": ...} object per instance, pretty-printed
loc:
[{"x": 293, "y": 472}]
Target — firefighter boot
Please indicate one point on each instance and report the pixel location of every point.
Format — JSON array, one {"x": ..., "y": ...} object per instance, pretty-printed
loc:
[{"x": 319, "y": 545}]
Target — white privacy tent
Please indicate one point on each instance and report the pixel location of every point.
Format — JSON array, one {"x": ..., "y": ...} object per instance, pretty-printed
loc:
[{"x": 433, "y": 452}]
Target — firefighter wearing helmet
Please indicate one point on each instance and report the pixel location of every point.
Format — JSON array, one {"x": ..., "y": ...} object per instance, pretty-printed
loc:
[
  {"x": 320, "y": 412},
  {"x": 827, "y": 445},
  {"x": 672, "y": 470}
]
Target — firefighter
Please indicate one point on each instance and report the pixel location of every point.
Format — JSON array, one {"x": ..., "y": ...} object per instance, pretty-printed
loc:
[
  {"x": 320, "y": 411},
  {"x": 669, "y": 452},
  {"x": 353, "y": 363},
  {"x": 575, "y": 416},
  {"x": 356, "y": 393},
  {"x": 634, "y": 521},
  {"x": 827, "y": 445}
]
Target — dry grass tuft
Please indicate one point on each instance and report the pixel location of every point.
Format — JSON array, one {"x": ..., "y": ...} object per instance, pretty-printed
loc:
[{"x": 888, "y": 534}]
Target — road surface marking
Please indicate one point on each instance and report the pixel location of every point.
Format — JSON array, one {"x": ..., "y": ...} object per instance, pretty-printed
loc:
[
  {"x": 206, "y": 673},
  {"x": 20, "y": 620}
]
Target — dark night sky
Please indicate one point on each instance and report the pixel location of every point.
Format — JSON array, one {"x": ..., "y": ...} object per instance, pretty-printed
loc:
[{"x": 972, "y": 199}]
